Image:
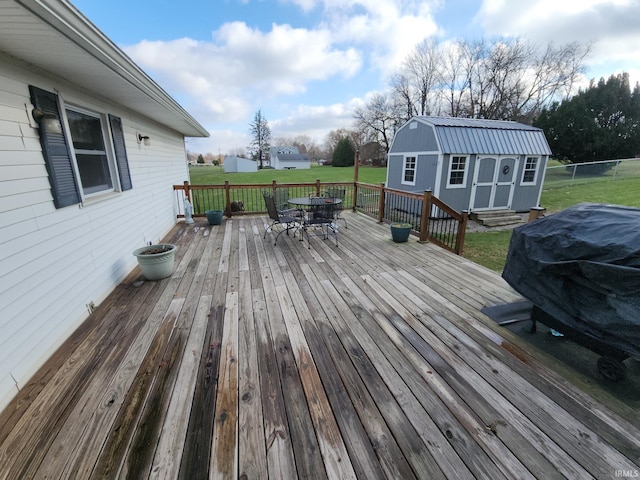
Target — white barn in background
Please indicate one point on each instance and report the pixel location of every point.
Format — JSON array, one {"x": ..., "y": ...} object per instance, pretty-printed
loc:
[
  {"x": 286, "y": 158},
  {"x": 234, "y": 164},
  {"x": 90, "y": 147}
]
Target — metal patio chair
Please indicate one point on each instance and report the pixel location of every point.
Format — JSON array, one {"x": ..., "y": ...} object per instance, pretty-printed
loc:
[
  {"x": 285, "y": 218},
  {"x": 337, "y": 192},
  {"x": 321, "y": 216}
]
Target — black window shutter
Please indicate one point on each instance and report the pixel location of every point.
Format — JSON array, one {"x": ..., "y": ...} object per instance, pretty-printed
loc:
[
  {"x": 121, "y": 152},
  {"x": 64, "y": 185}
]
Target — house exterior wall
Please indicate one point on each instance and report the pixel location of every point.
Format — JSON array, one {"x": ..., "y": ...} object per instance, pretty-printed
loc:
[
  {"x": 55, "y": 262},
  {"x": 280, "y": 165}
]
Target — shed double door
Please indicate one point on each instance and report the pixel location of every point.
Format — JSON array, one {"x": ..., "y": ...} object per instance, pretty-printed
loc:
[{"x": 493, "y": 182}]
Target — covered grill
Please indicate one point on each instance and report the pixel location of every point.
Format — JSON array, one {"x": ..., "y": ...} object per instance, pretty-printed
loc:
[{"x": 581, "y": 270}]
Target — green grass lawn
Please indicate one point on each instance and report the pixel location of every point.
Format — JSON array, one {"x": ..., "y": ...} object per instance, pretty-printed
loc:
[
  {"x": 209, "y": 175},
  {"x": 490, "y": 248}
]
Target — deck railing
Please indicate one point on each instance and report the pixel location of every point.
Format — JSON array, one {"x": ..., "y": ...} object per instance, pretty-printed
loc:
[{"x": 431, "y": 219}]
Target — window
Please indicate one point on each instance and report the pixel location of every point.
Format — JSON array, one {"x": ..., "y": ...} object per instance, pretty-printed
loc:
[
  {"x": 457, "y": 170},
  {"x": 530, "y": 170},
  {"x": 90, "y": 153},
  {"x": 88, "y": 166},
  {"x": 409, "y": 171}
]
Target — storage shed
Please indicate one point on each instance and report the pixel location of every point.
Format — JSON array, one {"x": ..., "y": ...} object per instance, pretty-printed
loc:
[
  {"x": 470, "y": 164},
  {"x": 233, "y": 164}
]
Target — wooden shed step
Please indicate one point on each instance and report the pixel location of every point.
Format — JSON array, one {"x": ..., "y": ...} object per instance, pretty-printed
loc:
[
  {"x": 500, "y": 221},
  {"x": 477, "y": 216}
]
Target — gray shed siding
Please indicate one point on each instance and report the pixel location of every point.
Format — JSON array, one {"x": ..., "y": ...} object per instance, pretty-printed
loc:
[
  {"x": 510, "y": 143},
  {"x": 420, "y": 139}
]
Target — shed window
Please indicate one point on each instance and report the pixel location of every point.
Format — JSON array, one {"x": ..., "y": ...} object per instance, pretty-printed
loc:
[
  {"x": 530, "y": 170},
  {"x": 80, "y": 159},
  {"x": 457, "y": 171},
  {"x": 409, "y": 171}
]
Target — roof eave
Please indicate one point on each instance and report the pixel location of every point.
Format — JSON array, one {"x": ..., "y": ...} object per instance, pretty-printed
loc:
[{"x": 107, "y": 60}]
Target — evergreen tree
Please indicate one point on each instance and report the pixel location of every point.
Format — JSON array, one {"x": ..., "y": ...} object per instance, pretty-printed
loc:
[
  {"x": 261, "y": 136},
  {"x": 344, "y": 153},
  {"x": 599, "y": 123}
]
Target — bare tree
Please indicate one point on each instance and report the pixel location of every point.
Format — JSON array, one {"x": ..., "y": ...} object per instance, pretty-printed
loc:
[
  {"x": 509, "y": 79},
  {"x": 551, "y": 76},
  {"x": 403, "y": 96},
  {"x": 423, "y": 70},
  {"x": 455, "y": 79},
  {"x": 378, "y": 120},
  {"x": 261, "y": 136},
  {"x": 334, "y": 136},
  {"x": 238, "y": 152}
]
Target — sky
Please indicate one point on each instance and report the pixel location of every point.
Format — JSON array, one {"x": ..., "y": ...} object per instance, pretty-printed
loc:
[{"x": 306, "y": 64}]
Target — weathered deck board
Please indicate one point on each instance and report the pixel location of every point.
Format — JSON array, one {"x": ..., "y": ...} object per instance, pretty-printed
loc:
[{"x": 367, "y": 360}]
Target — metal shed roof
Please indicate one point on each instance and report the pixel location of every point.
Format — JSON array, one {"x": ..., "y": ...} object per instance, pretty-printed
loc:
[{"x": 499, "y": 137}]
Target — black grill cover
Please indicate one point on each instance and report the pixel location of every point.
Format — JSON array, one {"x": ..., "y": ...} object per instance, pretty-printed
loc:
[{"x": 582, "y": 266}]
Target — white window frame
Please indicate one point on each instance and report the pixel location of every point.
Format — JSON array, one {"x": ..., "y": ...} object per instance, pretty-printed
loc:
[
  {"x": 464, "y": 172},
  {"x": 405, "y": 169},
  {"x": 535, "y": 170},
  {"x": 108, "y": 149}
]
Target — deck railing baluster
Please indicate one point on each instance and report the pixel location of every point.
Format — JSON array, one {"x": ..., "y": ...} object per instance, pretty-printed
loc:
[{"x": 385, "y": 204}]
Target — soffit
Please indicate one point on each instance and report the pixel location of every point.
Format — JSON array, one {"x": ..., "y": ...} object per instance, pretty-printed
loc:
[{"x": 57, "y": 38}]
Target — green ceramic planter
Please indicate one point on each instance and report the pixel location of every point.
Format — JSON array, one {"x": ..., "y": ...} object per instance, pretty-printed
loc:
[
  {"x": 156, "y": 261},
  {"x": 214, "y": 217},
  {"x": 400, "y": 232}
]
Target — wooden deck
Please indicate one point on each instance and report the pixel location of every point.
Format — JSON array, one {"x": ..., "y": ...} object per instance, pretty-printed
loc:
[{"x": 367, "y": 360}]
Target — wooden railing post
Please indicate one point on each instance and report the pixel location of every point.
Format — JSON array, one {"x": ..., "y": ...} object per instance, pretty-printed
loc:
[
  {"x": 274, "y": 186},
  {"x": 462, "y": 228},
  {"x": 535, "y": 213},
  {"x": 355, "y": 196},
  {"x": 356, "y": 165},
  {"x": 317, "y": 187},
  {"x": 227, "y": 194},
  {"x": 187, "y": 192},
  {"x": 424, "y": 219},
  {"x": 381, "y": 204}
]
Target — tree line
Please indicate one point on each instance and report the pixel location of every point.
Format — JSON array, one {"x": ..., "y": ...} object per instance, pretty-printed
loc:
[{"x": 500, "y": 79}]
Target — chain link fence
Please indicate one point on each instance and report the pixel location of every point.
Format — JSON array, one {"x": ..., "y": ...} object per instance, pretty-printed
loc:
[{"x": 581, "y": 173}]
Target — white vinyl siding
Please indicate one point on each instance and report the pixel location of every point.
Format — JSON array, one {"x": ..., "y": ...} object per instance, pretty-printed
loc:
[{"x": 53, "y": 262}]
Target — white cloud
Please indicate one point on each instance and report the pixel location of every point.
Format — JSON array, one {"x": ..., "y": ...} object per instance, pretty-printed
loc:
[
  {"x": 243, "y": 66},
  {"x": 610, "y": 26},
  {"x": 242, "y": 69},
  {"x": 224, "y": 81},
  {"x": 314, "y": 121}
]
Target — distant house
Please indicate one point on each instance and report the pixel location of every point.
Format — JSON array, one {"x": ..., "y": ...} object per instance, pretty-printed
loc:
[
  {"x": 470, "y": 164},
  {"x": 90, "y": 147},
  {"x": 234, "y": 164},
  {"x": 285, "y": 158}
]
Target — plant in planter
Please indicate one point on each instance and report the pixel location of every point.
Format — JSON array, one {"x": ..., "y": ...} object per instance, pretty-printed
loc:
[
  {"x": 156, "y": 261},
  {"x": 214, "y": 217},
  {"x": 400, "y": 231}
]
